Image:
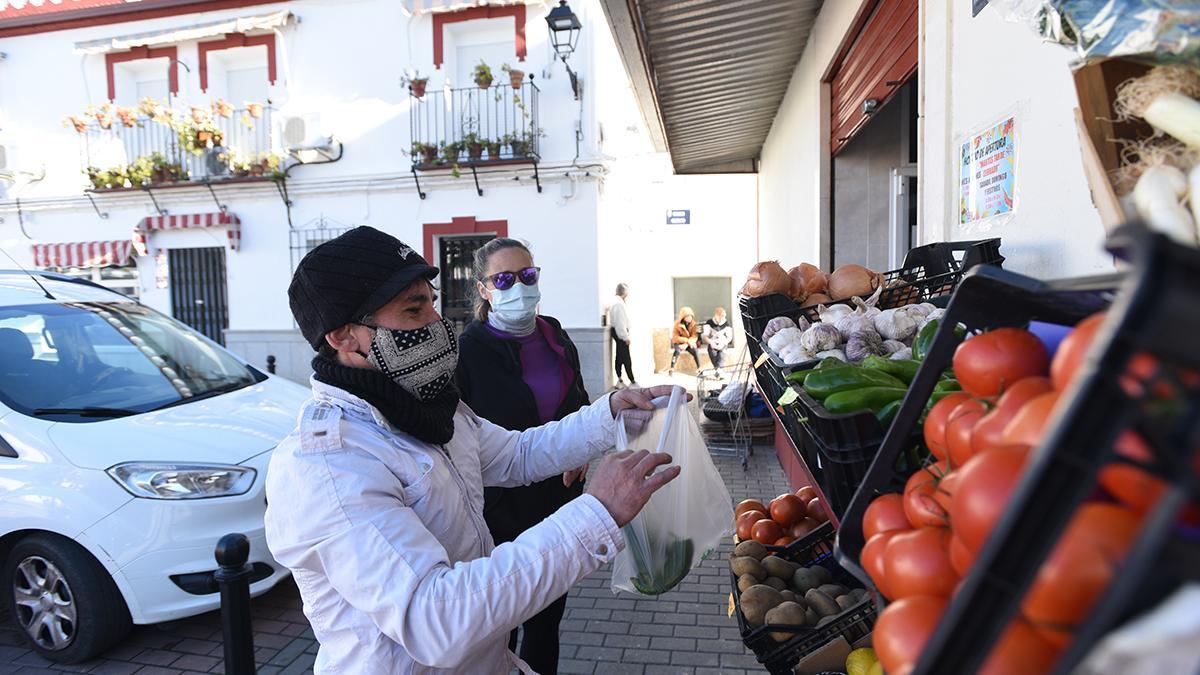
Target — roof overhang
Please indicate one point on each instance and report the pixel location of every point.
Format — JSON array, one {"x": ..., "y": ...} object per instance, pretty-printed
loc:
[{"x": 709, "y": 75}]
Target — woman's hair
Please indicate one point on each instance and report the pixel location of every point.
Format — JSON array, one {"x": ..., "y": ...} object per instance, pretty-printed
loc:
[
  {"x": 685, "y": 311},
  {"x": 483, "y": 255}
]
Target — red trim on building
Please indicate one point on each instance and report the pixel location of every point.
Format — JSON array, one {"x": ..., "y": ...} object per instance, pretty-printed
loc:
[
  {"x": 467, "y": 225},
  {"x": 139, "y": 54},
  {"x": 31, "y": 9},
  {"x": 488, "y": 12},
  {"x": 233, "y": 41},
  {"x": 69, "y": 17}
]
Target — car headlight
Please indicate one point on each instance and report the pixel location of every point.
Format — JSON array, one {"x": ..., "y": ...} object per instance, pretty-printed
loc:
[{"x": 182, "y": 481}]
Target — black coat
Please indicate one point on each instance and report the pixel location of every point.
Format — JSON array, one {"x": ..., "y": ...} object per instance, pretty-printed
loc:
[{"x": 489, "y": 378}]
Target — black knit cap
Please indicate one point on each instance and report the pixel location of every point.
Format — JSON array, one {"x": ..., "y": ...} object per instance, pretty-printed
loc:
[{"x": 351, "y": 276}]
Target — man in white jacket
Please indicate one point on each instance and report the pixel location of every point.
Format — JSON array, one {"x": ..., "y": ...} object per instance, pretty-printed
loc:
[
  {"x": 618, "y": 322},
  {"x": 375, "y": 502}
]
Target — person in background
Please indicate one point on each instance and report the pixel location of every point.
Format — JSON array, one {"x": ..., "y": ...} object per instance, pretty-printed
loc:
[
  {"x": 718, "y": 336},
  {"x": 618, "y": 322},
  {"x": 519, "y": 370},
  {"x": 685, "y": 336}
]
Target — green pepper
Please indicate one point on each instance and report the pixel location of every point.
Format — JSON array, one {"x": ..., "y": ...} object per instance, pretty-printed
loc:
[
  {"x": 924, "y": 340},
  {"x": 904, "y": 369},
  {"x": 888, "y": 412},
  {"x": 833, "y": 380},
  {"x": 797, "y": 376},
  {"x": 947, "y": 386},
  {"x": 678, "y": 563},
  {"x": 831, "y": 362},
  {"x": 864, "y": 398}
]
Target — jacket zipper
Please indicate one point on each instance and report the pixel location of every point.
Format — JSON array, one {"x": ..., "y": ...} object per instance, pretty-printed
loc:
[{"x": 462, "y": 490}]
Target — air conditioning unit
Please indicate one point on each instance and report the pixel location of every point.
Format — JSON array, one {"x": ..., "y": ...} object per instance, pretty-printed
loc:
[
  {"x": 304, "y": 140},
  {"x": 4, "y": 153}
]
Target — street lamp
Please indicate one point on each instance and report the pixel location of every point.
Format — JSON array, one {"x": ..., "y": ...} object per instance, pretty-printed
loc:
[{"x": 564, "y": 35}]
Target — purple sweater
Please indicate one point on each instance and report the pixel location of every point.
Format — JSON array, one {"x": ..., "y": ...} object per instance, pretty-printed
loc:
[{"x": 544, "y": 367}]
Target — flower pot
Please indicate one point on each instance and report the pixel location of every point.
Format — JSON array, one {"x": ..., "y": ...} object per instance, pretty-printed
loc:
[
  {"x": 418, "y": 87},
  {"x": 493, "y": 150},
  {"x": 429, "y": 155},
  {"x": 520, "y": 148},
  {"x": 484, "y": 81},
  {"x": 515, "y": 78},
  {"x": 475, "y": 151},
  {"x": 255, "y": 109},
  {"x": 256, "y": 170}
]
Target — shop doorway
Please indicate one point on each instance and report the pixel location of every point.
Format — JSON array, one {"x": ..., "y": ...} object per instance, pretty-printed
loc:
[
  {"x": 456, "y": 260},
  {"x": 199, "y": 296}
]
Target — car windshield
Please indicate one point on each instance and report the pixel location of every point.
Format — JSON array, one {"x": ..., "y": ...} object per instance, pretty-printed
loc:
[{"x": 84, "y": 361}]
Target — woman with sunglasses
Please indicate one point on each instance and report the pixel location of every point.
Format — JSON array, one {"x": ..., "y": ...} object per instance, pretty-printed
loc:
[{"x": 519, "y": 370}]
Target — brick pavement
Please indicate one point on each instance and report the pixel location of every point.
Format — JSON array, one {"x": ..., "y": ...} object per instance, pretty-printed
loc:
[{"x": 683, "y": 631}]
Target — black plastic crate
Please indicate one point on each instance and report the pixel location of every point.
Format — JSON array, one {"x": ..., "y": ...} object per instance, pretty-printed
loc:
[
  {"x": 854, "y": 435},
  {"x": 1156, "y": 313},
  {"x": 853, "y": 624},
  {"x": 944, "y": 256}
]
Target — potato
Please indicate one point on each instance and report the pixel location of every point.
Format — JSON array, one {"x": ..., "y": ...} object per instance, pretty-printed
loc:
[
  {"x": 778, "y": 567},
  {"x": 746, "y": 581},
  {"x": 823, "y": 574},
  {"x": 826, "y": 620},
  {"x": 810, "y": 617},
  {"x": 833, "y": 590},
  {"x": 859, "y": 594},
  {"x": 776, "y": 583},
  {"x": 747, "y": 565},
  {"x": 846, "y": 601},
  {"x": 750, "y": 548},
  {"x": 788, "y": 596},
  {"x": 787, "y": 613},
  {"x": 757, "y": 601},
  {"x": 804, "y": 579},
  {"x": 822, "y": 604}
]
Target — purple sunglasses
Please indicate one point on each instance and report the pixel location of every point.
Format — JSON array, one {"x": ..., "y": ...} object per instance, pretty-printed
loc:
[{"x": 505, "y": 280}]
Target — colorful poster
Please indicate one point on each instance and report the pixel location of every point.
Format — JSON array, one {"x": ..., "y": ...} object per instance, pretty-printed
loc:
[{"x": 987, "y": 172}]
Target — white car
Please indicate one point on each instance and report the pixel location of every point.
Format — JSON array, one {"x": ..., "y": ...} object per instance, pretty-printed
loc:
[{"x": 129, "y": 445}]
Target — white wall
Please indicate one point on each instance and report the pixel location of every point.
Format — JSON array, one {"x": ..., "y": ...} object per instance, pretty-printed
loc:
[{"x": 976, "y": 70}]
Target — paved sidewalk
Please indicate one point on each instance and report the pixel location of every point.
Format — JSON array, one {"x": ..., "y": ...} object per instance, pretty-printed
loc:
[{"x": 684, "y": 631}]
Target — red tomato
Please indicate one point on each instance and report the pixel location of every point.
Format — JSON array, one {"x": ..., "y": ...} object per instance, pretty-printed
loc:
[
  {"x": 745, "y": 523},
  {"x": 803, "y": 527},
  {"x": 784, "y": 540},
  {"x": 1020, "y": 649},
  {"x": 1072, "y": 349},
  {"x": 1081, "y": 565},
  {"x": 1029, "y": 424},
  {"x": 920, "y": 505},
  {"x": 787, "y": 509},
  {"x": 1132, "y": 486},
  {"x": 917, "y": 562},
  {"x": 984, "y": 486},
  {"x": 766, "y": 531},
  {"x": 961, "y": 557},
  {"x": 748, "y": 505},
  {"x": 871, "y": 559},
  {"x": 807, "y": 493},
  {"x": 959, "y": 426},
  {"x": 944, "y": 494},
  {"x": 988, "y": 364},
  {"x": 816, "y": 511},
  {"x": 902, "y": 630},
  {"x": 884, "y": 514},
  {"x": 990, "y": 429},
  {"x": 935, "y": 423}
]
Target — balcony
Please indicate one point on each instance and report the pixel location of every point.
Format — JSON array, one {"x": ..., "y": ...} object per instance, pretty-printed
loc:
[
  {"x": 475, "y": 127},
  {"x": 153, "y": 146}
]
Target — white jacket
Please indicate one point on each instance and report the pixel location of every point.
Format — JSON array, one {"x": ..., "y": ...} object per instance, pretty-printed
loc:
[
  {"x": 618, "y": 318},
  {"x": 386, "y": 539}
]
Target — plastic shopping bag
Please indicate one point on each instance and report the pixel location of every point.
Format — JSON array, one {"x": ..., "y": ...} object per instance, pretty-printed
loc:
[{"x": 684, "y": 521}]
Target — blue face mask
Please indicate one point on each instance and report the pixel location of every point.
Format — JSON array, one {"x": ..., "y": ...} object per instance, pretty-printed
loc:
[{"x": 514, "y": 310}]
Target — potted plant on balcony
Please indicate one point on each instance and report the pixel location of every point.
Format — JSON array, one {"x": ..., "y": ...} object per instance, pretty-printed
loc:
[
  {"x": 128, "y": 116},
  {"x": 222, "y": 108},
  {"x": 254, "y": 109},
  {"x": 473, "y": 145},
  {"x": 493, "y": 148},
  {"x": 80, "y": 124},
  {"x": 416, "y": 83},
  {"x": 450, "y": 152},
  {"x": 102, "y": 114},
  {"x": 515, "y": 77},
  {"x": 428, "y": 153},
  {"x": 483, "y": 75},
  {"x": 150, "y": 107}
]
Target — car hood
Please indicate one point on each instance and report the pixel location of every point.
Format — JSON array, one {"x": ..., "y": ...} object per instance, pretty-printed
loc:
[{"x": 225, "y": 429}]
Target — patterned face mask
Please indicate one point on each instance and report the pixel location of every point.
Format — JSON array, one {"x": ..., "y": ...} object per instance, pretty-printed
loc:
[{"x": 421, "y": 361}]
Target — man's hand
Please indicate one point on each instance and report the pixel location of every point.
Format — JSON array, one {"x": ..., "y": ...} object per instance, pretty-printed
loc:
[
  {"x": 623, "y": 484},
  {"x": 573, "y": 475}
]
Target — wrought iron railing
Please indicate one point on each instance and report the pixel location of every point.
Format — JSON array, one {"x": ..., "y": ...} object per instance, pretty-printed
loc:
[
  {"x": 475, "y": 127},
  {"x": 139, "y": 150}
]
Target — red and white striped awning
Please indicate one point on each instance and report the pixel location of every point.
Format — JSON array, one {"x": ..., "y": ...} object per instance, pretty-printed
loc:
[
  {"x": 82, "y": 253},
  {"x": 173, "y": 222}
]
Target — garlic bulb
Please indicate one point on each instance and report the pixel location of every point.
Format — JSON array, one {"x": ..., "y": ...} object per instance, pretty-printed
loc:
[
  {"x": 893, "y": 346},
  {"x": 896, "y": 324},
  {"x": 775, "y": 325},
  {"x": 832, "y": 313},
  {"x": 820, "y": 337},
  {"x": 934, "y": 315},
  {"x": 853, "y": 323},
  {"x": 835, "y": 353},
  {"x": 793, "y": 353},
  {"x": 922, "y": 309},
  {"x": 862, "y": 344},
  {"x": 783, "y": 338},
  {"x": 901, "y": 354},
  {"x": 802, "y": 322}
]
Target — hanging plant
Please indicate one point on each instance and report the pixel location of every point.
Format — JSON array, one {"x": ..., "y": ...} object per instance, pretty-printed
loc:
[
  {"x": 515, "y": 77},
  {"x": 416, "y": 84},
  {"x": 150, "y": 107},
  {"x": 199, "y": 115},
  {"x": 128, "y": 116},
  {"x": 255, "y": 109},
  {"x": 80, "y": 124},
  {"x": 483, "y": 75},
  {"x": 222, "y": 108}
]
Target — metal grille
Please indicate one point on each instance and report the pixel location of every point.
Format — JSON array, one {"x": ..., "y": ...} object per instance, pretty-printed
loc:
[
  {"x": 499, "y": 114},
  {"x": 308, "y": 238},
  {"x": 198, "y": 294},
  {"x": 457, "y": 278}
]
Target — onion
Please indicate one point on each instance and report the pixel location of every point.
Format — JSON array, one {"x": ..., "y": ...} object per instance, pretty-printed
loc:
[
  {"x": 806, "y": 280},
  {"x": 765, "y": 278},
  {"x": 817, "y": 299},
  {"x": 851, "y": 280}
]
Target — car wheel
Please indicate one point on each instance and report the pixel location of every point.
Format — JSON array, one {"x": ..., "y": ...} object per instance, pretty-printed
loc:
[{"x": 65, "y": 603}]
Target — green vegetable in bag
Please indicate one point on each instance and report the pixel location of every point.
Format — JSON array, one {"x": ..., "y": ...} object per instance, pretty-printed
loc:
[{"x": 654, "y": 579}]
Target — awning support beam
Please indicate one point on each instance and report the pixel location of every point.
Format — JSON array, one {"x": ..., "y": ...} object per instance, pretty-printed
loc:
[
  {"x": 103, "y": 214},
  {"x": 417, "y": 180},
  {"x": 161, "y": 211},
  {"x": 211, "y": 191}
]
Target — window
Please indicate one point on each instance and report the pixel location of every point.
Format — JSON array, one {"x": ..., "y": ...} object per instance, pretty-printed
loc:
[
  {"x": 466, "y": 26},
  {"x": 305, "y": 240},
  {"x": 120, "y": 278},
  {"x": 246, "y": 84},
  {"x": 238, "y": 67}
]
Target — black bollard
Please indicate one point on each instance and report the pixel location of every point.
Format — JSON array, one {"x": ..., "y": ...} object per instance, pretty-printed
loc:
[
  {"x": 271, "y": 363},
  {"x": 233, "y": 578}
]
